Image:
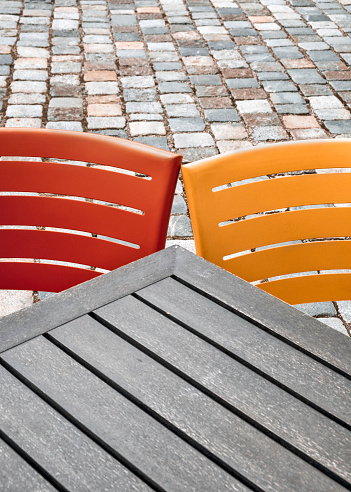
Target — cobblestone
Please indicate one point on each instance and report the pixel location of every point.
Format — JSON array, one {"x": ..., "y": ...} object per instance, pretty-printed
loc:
[{"x": 195, "y": 77}]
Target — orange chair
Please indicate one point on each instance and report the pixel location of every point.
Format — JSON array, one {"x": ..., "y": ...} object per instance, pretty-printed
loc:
[
  {"x": 244, "y": 205},
  {"x": 124, "y": 199}
]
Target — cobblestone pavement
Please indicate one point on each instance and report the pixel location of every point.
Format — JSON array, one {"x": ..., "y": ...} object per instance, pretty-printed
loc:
[{"x": 198, "y": 77}]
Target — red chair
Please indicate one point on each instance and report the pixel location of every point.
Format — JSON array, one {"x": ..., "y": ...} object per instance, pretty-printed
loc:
[{"x": 126, "y": 199}]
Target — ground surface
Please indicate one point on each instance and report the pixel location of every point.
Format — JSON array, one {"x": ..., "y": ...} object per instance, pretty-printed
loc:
[{"x": 193, "y": 76}]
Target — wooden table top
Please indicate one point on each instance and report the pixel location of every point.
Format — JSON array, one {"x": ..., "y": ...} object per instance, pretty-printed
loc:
[{"x": 170, "y": 374}]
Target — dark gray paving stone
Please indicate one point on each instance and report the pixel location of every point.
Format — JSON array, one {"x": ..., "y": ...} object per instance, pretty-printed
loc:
[
  {"x": 291, "y": 109},
  {"x": 6, "y": 59},
  {"x": 4, "y": 70},
  {"x": 126, "y": 36},
  {"x": 173, "y": 87},
  {"x": 287, "y": 98},
  {"x": 205, "y": 80},
  {"x": 273, "y": 34},
  {"x": 195, "y": 154},
  {"x": 181, "y": 28},
  {"x": 159, "y": 142},
  {"x": 338, "y": 127},
  {"x": 325, "y": 55},
  {"x": 306, "y": 76},
  {"x": 186, "y": 124},
  {"x": 243, "y": 32},
  {"x": 341, "y": 85},
  {"x": 288, "y": 53}
]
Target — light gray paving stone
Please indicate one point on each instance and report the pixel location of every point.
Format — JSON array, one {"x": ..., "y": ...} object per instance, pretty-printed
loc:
[
  {"x": 184, "y": 140},
  {"x": 66, "y": 102},
  {"x": 265, "y": 133},
  {"x": 334, "y": 323},
  {"x": 179, "y": 205},
  {"x": 182, "y": 110},
  {"x": 19, "y": 98},
  {"x": 145, "y": 117},
  {"x": 173, "y": 87},
  {"x": 96, "y": 122},
  {"x": 24, "y": 111},
  {"x": 179, "y": 226},
  {"x": 12, "y": 301},
  {"x": 28, "y": 86},
  {"x": 143, "y": 107},
  {"x": 317, "y": 308},
  {"x": 147, "y": 128},
  {"x": 259, "y": 106},
  {"x": 74, "y": 126},
  {"x": 23, "y": 123},
  {"x": 94, "y": 88},
  {"x": 30, "y": 75}
]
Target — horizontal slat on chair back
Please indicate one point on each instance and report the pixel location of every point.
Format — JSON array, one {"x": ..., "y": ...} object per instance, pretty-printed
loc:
[
  {"x": 72, "y": 214},
  {"x": 311, "y": 288},
  {"x": 282, "y": 227},
  {"x": 293, "y": 258},
  {"x": 279, "y": 193},
  {"x": 93, "y": 148},
  {"x": 42, "y": 277},
  {"x": 80, "y": 181},
  {"x": 66, "y": 247}
]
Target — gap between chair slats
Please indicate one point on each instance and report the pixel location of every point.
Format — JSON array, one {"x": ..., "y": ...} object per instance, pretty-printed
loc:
[
  {"x": 76, "y": 215},
  {"x": 275, "y": 194},
  {"x": 302, "y": 257},
  {"x": 282, "y": 227},
  {"x": 81, "y": 181},
  {"x": 62, "y": 246},
  {"x": 41, "y": 276},
  {"x": 310, "y": 288},
  {"x": 270, "y": 160}
]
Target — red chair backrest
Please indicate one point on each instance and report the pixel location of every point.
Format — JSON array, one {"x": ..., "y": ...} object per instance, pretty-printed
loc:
[{"x": 128, "y": 203}]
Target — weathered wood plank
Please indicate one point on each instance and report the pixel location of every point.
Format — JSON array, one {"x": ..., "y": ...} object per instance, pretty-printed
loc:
[
  {"x": 163, "y": 458},
  {"x": 77, "y": 301},
  {"x": 236, "y": 443},
  {"x": 64, "y": 452},
  {"x": 279, "y": 361},
  {"x": 286, "y": 321},
  {"x": 281, "y": 414},
  {"x": 16, "y": 475}
]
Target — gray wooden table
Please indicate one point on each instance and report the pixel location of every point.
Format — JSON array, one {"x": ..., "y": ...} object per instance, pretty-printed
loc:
[{"x": 171, "y": 374}]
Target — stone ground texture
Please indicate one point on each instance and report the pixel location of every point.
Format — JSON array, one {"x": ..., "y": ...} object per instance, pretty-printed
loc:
[{"x": 198, "y": 77}]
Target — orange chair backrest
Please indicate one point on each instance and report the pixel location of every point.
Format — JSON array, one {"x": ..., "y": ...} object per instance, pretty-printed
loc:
[
  {"x": 245, "y": 206},
  {"x": 113, "y": 211}
]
